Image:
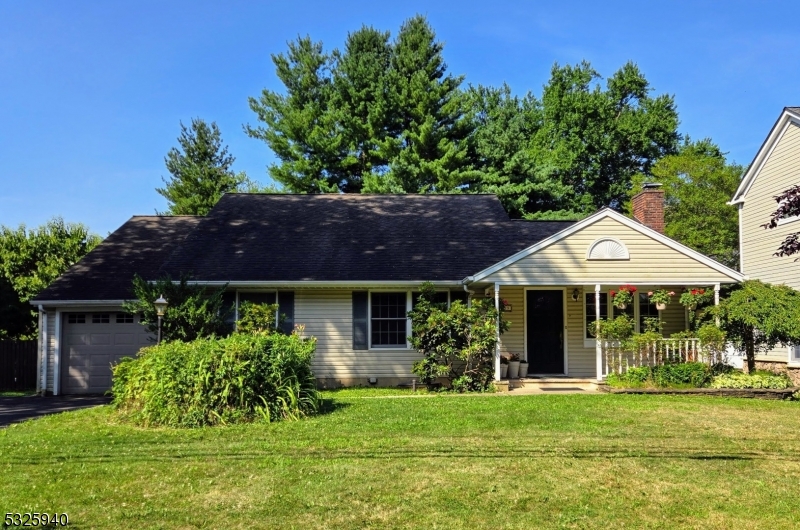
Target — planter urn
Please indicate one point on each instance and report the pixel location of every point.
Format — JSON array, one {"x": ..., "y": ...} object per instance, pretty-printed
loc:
[
  {"x": 622, "y": 306},
  {"x": 660, "y": 306},
  {"x": 503, "y": 371},
  {"x": 523, "y": 369},
  {"x": 513, "y": 369}
]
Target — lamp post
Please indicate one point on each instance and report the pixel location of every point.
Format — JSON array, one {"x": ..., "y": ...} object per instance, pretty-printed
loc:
[{"x": 161, "y": 308}]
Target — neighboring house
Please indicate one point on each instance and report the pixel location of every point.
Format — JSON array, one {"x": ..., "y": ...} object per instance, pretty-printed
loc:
[
  {"x": 775, "y": 168},
  {"x": 346, "y": 267}
]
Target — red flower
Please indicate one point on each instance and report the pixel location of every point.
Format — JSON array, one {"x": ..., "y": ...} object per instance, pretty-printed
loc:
[{"x": 612, "y": 293}]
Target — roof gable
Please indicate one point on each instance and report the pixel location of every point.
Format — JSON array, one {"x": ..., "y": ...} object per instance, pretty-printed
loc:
[
  {"x": 790, "y": 115},
  {"x": 606, "y": 213}
]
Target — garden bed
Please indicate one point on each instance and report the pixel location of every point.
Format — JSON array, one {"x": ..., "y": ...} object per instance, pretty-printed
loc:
[{"x": 760, "y": 393}]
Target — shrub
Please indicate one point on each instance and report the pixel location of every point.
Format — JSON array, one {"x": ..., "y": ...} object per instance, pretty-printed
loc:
[
  {"x": 194, "y": 310},
  {"x": 633, "y": 378},
  {"x": 742, "y": 380},
  {"x": 672, "y": 375},
  {"x": 240, "y": 378},
  {"x": 257, "y": 318},
  {"x": 457, "y": 343},
  {"x": 695, "y": 375}
]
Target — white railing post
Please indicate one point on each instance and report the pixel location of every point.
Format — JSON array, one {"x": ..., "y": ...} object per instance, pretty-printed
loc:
[
  {"x": 597, "y": 341},
  {"x": 497, "y": 332}
]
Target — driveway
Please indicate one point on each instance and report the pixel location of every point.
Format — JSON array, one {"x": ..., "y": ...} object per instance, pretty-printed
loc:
[{"x": 16, "y": 409}]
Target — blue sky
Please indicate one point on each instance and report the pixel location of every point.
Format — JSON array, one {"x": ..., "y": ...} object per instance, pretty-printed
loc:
[{"x": 92, "y": 93}]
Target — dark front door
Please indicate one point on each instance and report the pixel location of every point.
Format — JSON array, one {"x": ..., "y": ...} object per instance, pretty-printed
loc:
[{"x": 545, "y": 328}]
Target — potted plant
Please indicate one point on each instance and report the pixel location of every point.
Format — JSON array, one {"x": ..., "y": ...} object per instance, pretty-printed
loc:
[
  {"x": 661, "y": 297},
  {"x": 693, "y": 297},
  {"x": 523, "y": 368},
  {"x": 623, "y": 297},
  {"x": 503, "y": 367},
  {"x": 513, "y": 366}
]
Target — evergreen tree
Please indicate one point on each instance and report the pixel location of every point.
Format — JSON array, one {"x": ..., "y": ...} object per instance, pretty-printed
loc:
[
  {"x": 378, "y": 116},
  {"x": 200, "y": 171},
  {"x": 300, "y": 127},
  {"x": 430, "y": 124}
]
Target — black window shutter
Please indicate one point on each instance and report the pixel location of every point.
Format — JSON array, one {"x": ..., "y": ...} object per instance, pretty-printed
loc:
[
  {"x": 286, "y": 308},
  {"x": 360, "y": 311}
]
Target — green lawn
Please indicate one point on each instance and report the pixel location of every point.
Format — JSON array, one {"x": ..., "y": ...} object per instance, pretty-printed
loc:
[{"x": 542, "y": 461}]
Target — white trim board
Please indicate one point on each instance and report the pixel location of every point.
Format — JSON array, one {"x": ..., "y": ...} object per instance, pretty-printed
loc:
[
  {"x": 786, "y": 119},
  {"x": 607, "y": 213}
]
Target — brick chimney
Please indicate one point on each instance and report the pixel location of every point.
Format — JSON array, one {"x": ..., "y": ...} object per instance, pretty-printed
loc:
[{"x": 648, "y": 206}]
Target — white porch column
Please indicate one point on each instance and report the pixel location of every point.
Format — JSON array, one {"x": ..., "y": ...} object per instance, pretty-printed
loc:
[
  {"x": 716, "y": 299},
  {"x": 497, "y": 332},
  {"x": 597, "y": 346}
]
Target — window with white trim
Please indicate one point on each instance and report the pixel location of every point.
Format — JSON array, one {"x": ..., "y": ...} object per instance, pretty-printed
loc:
[
  {"x": 591, "y": 311},
  {"x": 794, "y": 354},
  {"x": 388, "y": 319},
  {"x": 647, "y": 309}
]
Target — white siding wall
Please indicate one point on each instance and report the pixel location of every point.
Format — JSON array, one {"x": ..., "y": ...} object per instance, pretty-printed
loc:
[
  {"x": 780, "y": 172},
  {"x": 51, "y": 348},
  {"x": 328, "y": 316},
  {"x": 565, "y": 263}
]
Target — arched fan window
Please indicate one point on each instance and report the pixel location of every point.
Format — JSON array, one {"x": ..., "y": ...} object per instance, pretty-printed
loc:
[{"x": 608, "y": 248}]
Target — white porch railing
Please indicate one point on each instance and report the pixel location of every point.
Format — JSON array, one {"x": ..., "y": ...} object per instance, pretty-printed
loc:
[{"x": 619, "y": 359}]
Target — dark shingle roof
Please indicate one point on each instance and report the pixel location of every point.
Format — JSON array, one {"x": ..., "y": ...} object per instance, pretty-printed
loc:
[
  {"x": 289, "y": 238},
  {"x": 250, "y": 237},
  {"x": 139, "y": 246}
]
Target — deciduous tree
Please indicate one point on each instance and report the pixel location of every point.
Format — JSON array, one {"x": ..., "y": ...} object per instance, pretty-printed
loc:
[
  {"x": 760, "y": 316},
  {"x": 29, "y": 261},
  {"x": 697, "y": 183}
]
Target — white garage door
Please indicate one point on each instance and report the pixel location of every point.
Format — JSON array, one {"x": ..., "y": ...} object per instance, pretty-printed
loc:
[{"x": 92, "y": 342}]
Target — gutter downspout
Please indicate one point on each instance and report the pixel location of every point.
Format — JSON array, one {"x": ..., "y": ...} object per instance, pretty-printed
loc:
[
  {"x": 470, "y": 294},
  {"x": 43, "y": 335}
]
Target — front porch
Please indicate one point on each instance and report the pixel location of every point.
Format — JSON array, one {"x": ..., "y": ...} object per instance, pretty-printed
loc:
[{"x": 549, "y": 329}]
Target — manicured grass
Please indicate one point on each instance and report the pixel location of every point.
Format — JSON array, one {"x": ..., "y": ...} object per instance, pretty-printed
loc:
[{"x": 542, "y": 461}]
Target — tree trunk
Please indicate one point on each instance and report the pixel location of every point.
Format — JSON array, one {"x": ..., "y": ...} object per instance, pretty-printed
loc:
[{"x": 749, "y": 348}]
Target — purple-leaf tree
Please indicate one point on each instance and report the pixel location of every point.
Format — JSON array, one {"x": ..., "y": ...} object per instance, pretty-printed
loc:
[{"x": 788, "y": 206}]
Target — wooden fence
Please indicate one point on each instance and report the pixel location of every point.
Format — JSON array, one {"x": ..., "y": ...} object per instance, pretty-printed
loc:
[{"x": 17, "y": 364}]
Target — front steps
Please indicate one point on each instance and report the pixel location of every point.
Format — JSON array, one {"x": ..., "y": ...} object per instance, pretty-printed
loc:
[{"x": 549, "y": 384}]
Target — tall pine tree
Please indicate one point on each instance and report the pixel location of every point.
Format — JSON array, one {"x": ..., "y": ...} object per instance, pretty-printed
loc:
[
  {"x": 378, "y": 116},
  {"x": 200, "y": 171}
]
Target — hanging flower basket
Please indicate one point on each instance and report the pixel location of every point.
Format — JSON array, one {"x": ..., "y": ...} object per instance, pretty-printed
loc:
[
  {"x": 661, "y": 297},
  {"x": 694, "y": 297},
  {"x": 623, "y": 297}
]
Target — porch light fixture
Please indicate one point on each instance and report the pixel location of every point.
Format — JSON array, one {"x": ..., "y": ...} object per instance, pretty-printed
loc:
[
  {"x": 161, "y": 308},
  {"x": 575, "y": 294}
]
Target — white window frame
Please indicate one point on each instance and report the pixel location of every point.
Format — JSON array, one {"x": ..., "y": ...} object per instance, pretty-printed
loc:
[
  {"x": 409, "y": 300},
  {"x": 388, "y": 347},
  {"x": 787, "y": 220},
  {"x": 793, "y": 355},
  {"x": 592, "y": 343}
]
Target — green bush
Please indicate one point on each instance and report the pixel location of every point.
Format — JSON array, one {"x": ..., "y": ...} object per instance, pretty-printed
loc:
[
  {"x": 695, "y": 375},
  {"x": 240, "y": 378},
  {"x": 759, "y": 380},
  {"x": 672, "y": 375}
]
